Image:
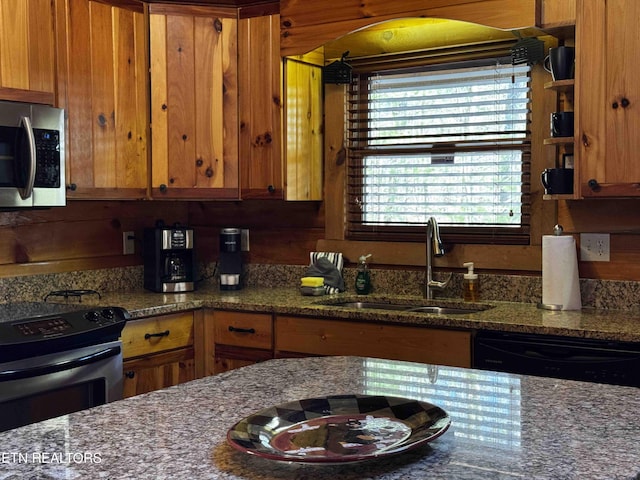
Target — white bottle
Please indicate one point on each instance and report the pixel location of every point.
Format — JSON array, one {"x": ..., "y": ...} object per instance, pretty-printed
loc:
[{"x": 470, "y": 284}]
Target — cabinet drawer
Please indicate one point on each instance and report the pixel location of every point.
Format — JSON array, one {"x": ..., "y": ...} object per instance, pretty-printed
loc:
[
  {"x": 157, "y": 334},
  {"x": 254, "y": 330},
  {"x": 396, "y": 342}
]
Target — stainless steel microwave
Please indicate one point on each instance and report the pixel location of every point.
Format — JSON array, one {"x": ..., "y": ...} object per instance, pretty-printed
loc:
[{"x": 32, "y": 156}]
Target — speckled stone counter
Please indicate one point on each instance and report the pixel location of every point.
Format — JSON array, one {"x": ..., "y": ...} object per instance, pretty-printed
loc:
[
  {"x": 617, "y": 325},
  {"x": 504, "y": 426}
]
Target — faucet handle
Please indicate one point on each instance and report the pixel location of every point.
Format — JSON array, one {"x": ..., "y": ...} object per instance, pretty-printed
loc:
[{"x": 440, "y": 285}]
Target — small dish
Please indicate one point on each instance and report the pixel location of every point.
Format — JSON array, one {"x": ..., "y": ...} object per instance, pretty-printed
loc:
[{"x": 338, "y": 429}]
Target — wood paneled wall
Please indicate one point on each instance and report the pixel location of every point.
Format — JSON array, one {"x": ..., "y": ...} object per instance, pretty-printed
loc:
[
  {"x": 279, "y": 232},
  {"x": 80, "y": 236},
  {"x": 87, "y": 235}
]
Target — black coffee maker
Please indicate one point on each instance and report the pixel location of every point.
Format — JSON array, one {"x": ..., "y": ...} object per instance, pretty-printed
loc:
[
  {"x": 230, "y": 262},
  {"x": 169, "y": 259}
]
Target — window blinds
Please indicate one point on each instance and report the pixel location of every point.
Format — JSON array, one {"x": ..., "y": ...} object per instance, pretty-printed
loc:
[{"x": 450, "y": 142}]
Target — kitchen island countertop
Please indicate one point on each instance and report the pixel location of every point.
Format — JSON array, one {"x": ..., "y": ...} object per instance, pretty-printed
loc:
[
  {"x": 504, "y": 426},
  {"x": 615, "y": 325}
]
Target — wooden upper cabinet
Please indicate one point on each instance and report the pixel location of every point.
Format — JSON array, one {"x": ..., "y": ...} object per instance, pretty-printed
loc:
[
  {"x": 607, "y": 98},
  {"x": 104, "y": 89},
  {"x": 267, "y": 169},
  {"x": 304, "y": 129},
  {"x": 556, "y": 13},
  {"x": 194, "y": 105},
  {"x": 260, "y": 103},
  {"x": 307, "y": 25},
  {"x": 27, "y": 56}
]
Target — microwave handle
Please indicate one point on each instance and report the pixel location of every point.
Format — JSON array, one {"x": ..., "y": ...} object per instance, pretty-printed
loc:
[{"x": 27, "y": 191}]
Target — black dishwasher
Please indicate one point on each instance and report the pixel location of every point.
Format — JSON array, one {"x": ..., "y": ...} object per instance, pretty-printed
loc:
[{"x": 571, "y": 358}]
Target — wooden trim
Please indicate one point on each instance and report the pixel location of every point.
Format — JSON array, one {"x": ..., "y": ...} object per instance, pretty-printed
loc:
[
  {"x": 91, "y": 193},
  {"x": 133, "y": 5},
  {"x": 195, "y": 10},
  {"x": 272, "y": 8},
  {"x": 196, "y": 194},
  {"x": 304, "y": 28},
  {"x": 199, "y": 344},
  {"x": 59, "y": 266},
  {"x": 30, "y": 96}
]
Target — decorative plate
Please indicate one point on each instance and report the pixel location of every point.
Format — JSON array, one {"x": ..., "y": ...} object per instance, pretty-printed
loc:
[{"x": 337, "y": 429}]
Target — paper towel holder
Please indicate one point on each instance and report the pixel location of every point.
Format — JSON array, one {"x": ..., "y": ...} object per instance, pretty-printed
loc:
[{"x": 557, "y": 231}]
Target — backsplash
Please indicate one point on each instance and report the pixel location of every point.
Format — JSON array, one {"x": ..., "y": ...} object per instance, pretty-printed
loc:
[{"x": 600, "y": 294}]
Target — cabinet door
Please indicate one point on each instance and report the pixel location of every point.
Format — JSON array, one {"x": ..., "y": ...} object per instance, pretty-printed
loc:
[
  {"x": 194, "y": 106},
  {"x": 260, "y": 107},
  {"x": 241, "y": 338},
  {"x": 105, "y": 98},
  {"x": 333, "y": 337},
  {"x": 27, "y": 41},
  {"x": 304, "y": 130},
  {"x": 607, "y": 97},
  {"x": 228, "y": 358},
  {"x": 153, "y": 372}
]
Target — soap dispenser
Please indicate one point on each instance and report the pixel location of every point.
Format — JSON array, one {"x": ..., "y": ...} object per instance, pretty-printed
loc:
[
  {"x": 363, "y": 277},
  {"x": 470, "y": 285}
]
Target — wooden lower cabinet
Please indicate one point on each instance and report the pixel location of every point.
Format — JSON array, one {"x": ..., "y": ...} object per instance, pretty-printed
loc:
[
  {"x": 153, "y": 372},
  {"x": 236, "y": 339},
  {"x": 160, "y": 352},
  {"x": 314, "y": 336}
]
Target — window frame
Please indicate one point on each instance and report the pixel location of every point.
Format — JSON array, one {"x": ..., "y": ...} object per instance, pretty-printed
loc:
[{"x": 357, "y": 230}]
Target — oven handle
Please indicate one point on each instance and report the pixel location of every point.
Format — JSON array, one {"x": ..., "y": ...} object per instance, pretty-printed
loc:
[{"x": 40, "y": 370}]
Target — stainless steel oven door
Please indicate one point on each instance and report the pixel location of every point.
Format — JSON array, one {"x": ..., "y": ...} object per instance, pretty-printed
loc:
[{"x": 38, "y": 388}]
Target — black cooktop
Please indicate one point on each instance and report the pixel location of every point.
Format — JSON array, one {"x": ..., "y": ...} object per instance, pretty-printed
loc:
[
  {"x": 30, "y": 329},
  {"x": 10, "y": 312}
]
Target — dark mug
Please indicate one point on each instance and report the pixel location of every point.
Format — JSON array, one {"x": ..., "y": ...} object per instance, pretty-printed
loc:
[
  {"x": 557, "y": 181},
  {"x": 560, "y": 62},
  {"x": 562, "y": 124}
]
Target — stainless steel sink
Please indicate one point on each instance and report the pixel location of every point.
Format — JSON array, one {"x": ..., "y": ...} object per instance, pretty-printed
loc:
[{"x": 441, "y": 309}]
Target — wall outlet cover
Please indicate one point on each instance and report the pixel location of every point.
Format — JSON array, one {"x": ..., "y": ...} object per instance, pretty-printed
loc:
[{"x": 595, "y": 247}]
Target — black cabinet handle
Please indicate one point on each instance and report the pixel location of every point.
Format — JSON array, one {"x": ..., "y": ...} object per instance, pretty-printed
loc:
[
  {"x": 625, "y": 102},
  {"x": 147, "y": 336},
  {"x": 72, "y": 187},
  {"x": 130, "y": 374},
  {"x": 163, "y": 187},
  {"x": 271, "y": 189},
  {"x": 593, "y": 184},
  {"x": 241, "y": 330}
]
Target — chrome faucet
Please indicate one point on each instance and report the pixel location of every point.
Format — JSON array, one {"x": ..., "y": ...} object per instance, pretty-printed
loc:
[{"x": 434, "y": 248}]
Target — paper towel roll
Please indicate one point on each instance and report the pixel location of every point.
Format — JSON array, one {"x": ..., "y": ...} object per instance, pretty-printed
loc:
[{"x": 560, "y": 280}]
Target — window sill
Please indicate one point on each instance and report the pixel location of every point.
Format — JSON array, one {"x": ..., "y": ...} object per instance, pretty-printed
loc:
[{"x": 493, "y": 257}]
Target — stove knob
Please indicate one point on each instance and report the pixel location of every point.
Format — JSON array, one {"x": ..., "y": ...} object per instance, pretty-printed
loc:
[
  {"x": 92, "y": 316},
  {"x": 108, "y": 313}
]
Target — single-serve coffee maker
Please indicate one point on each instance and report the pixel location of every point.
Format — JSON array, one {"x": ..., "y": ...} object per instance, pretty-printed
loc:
[
  {"x": 169, "y": 259},
  {"x": 230, "y": 262}
]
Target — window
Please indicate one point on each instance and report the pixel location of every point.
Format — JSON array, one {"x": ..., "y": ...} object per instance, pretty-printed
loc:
[{"x": 449, "y": 141}]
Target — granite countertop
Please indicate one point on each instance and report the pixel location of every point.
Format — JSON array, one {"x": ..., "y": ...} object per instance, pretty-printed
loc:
[
  {"x": 503, "y": 426},
  {"x": 617, "y": 325}
]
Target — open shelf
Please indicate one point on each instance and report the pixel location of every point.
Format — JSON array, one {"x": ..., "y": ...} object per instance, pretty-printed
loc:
[
  {"x": 558, "y": 141},
  {"x": 561, "y": 85}
]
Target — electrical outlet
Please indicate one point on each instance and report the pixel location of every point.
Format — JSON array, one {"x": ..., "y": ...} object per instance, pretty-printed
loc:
[
  {"x": 594, "y": 247},
  {"x": 128, "y": 243},
  {"x": 244, "y": 240}
]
